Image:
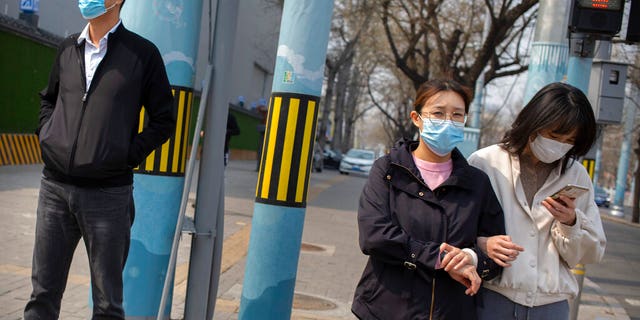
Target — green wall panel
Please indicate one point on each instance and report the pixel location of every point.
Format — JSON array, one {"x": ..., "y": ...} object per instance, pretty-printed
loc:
[{"x": 25, "y": 69}]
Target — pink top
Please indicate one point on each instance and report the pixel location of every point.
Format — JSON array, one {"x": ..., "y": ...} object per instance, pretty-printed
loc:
[{"x": 433, "y": 173}]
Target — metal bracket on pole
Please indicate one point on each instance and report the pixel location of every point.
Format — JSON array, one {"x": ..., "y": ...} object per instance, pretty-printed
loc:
[
  {"x": 582, "y": 45},
  {"x": 189, "y": 228}
]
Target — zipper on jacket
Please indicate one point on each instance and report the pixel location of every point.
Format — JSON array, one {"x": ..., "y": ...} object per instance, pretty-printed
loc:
[
  {"x": 433, "y": 298},
  {"x": 80, "y": 52}
]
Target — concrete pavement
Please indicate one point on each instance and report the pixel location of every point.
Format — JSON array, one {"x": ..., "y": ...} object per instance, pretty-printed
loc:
[{"x": 329, "y": 267}]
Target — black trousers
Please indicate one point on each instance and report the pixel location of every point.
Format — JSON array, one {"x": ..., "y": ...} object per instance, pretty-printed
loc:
[{"x": 66, "y": 213}]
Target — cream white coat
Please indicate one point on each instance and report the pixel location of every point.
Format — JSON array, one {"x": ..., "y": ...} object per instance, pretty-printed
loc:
[{"x": 542, "y": 273}]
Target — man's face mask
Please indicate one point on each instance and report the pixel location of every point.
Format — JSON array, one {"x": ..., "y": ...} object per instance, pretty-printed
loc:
[{"x": 91, "y": 9}]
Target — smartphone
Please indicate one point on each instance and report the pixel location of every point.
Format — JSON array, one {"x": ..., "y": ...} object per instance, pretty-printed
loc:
[{"x": 571, "y": 191}]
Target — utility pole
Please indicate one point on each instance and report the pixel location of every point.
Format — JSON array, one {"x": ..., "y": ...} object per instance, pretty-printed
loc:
[
  {"x": 283, "y": 179},
  {"x": 206, "y": 244},
  {"x": 588, "y": 22},
  {"x": 550, "y": 48},
  {"x": 625, "y": 149},
  {"x": 159, "y": 180}
]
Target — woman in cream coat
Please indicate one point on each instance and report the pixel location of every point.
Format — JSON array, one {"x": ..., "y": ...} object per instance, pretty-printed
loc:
[{"x": 544, "y": 238}]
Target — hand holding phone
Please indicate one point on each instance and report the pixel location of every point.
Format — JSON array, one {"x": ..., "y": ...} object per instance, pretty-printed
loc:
[{"x": 570, "y": 191}]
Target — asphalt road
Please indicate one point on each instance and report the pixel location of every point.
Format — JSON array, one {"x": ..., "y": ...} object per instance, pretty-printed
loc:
[{"x": 619, "y": 272}]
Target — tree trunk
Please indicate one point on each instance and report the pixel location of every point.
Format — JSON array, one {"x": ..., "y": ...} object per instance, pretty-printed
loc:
[
  {"x": 338, "y": 115},
  {"x": 635, "y": 217},
  {"x": 350, "y": 108},
  {"x": 326, "y": 110}
]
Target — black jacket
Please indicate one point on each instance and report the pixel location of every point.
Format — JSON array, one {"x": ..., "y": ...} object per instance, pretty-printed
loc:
[
  {"x": 402, "y": 224},
  {"x": 89, "y": 136}
]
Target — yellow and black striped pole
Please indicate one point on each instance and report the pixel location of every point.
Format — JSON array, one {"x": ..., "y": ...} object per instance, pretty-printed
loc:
[
  {"x": 159, "y": 180},
  {"x": 286, "y": 160},
  {"x": 170, "y": 158},
  {"x": 285, "y": 166}
]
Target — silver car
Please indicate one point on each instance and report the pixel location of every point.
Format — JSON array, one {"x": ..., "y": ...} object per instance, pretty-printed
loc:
[{"x": 357, "y": 161}]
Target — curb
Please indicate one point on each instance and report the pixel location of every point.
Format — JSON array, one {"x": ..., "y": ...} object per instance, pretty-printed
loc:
[{"x": 607, "y": 217}]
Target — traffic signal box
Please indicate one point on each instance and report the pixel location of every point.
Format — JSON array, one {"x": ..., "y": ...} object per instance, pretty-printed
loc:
[{"x": 602, "y": 17}]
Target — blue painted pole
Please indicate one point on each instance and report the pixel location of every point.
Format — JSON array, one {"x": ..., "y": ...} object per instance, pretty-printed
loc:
[
  {"x": 158, "y": 181},
  {"x": 283, "y": 179},
  {"x": 625, "y": 153},
  {"x": 579, "y": 72},
  {"x": 550, "y": 49}
]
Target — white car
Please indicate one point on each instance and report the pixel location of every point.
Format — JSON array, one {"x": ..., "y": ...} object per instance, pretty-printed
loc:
[{"x": 357, "y": 161}]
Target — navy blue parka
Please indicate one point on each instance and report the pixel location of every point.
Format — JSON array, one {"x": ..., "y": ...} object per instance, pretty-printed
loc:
[{"x": 402, "y": 224}]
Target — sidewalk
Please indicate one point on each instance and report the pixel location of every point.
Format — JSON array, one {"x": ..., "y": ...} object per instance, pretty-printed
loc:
[{"x": 329, "y": 267}]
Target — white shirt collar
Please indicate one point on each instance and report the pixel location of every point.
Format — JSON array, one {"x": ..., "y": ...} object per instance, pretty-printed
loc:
[{"x": 84, "y": 35}]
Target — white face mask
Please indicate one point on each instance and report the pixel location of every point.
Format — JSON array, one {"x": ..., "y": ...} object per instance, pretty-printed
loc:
[{"x": 548, "y": 150}]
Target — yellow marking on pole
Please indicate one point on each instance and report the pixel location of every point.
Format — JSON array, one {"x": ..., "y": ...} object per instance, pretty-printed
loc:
[
  {"x": 268, "y": 162},
  {"x": 141, "y": 123},
  {"x": 302, "y": 170},
  {"x": 164, "y": 156},
  {"x": 578, "y": 269},
  {"x": 176, "y": 149},
  {"x": 151, "y": 159},
  {"x": 186, "y": 132},
  {"x": 589, "y": 164},
  {"x": 287, "y": 149}
]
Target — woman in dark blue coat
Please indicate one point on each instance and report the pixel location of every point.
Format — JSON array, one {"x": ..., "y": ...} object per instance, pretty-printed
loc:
[{"x": 420, "y": 214}]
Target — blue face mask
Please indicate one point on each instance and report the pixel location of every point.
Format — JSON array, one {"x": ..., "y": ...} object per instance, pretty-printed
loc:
[
  {"x": 441, "y": 136},
  {"x": 91, "y": 9}
]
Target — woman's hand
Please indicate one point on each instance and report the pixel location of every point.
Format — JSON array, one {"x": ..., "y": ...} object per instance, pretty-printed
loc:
[
  {"x": 562, "y": 209},
  {"x": 460, "y": 267},
  {"x": 454, "y": 258},
  {"x": 468, "y": 277},
  {"x": 500, "y": 249}
]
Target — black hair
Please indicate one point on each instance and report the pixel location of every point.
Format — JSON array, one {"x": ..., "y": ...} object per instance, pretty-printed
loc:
[
  {"x": 432, "y": 87},
  {"x": 561, "y": 108}
]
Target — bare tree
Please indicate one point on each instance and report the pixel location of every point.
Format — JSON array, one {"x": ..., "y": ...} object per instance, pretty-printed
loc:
[
  {"x": 437, "y": 38},
  {"x": 351, "y": 20}
]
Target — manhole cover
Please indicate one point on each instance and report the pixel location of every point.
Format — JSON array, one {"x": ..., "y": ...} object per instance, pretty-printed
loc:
[
  {"x": 311, "y": 247},
  {"x": 305, "y": 302}
]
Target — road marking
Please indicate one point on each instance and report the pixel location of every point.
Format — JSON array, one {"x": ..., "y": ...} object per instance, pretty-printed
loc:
[
  {"x": 317, "y": 188},
  {"x": 26, "y": 272},
  {"x": 633, "y": 302}
]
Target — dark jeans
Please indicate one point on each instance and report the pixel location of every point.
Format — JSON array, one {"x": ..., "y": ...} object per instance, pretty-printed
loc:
[{"x": 103, "y": 218}]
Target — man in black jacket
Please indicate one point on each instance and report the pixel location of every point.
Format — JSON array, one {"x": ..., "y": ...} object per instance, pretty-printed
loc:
[{"x": 90, "y": 141}]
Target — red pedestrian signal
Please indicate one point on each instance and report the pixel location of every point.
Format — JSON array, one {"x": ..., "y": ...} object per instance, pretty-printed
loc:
[{"x": 596, "y": 16}]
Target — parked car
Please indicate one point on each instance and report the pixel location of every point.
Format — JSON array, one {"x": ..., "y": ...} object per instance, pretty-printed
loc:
[
  {"x": 357, "y": 161},
  {"x": 602, "y": 197},
  {"x": 331, "y": 158}
]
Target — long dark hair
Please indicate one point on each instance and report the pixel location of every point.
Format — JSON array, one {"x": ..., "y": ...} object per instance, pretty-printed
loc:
[{"x": 559, "y": 107}]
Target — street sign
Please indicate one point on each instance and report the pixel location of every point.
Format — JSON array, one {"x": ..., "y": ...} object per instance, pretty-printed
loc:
[{"x": 29, "y": 6}]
